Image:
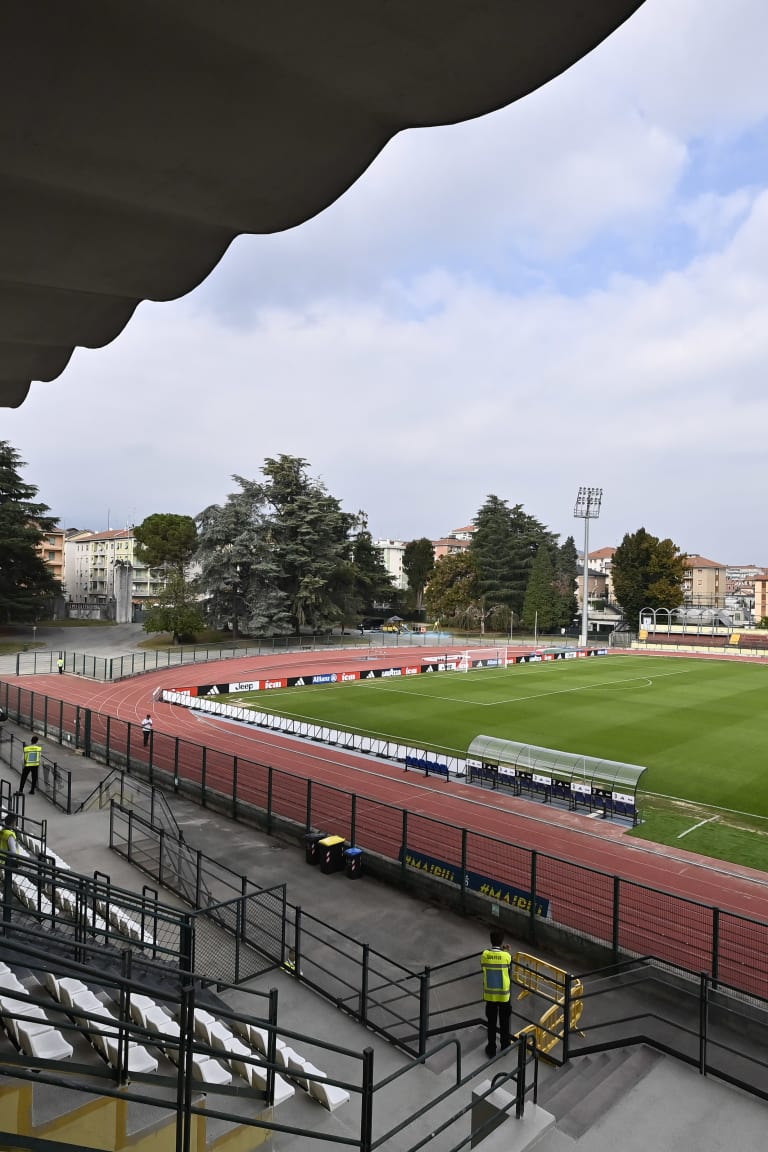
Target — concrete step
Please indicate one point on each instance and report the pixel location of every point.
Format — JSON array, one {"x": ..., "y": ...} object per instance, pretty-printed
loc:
[
  {"x": 573, "y": 1082},
  {"x": 626, "y": 1070}
]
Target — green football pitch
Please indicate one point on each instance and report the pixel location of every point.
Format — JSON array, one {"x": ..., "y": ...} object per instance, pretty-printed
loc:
[{"x": 698, "y": 726}]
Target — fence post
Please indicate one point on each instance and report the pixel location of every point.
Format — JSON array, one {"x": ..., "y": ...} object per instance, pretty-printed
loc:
[
  {"x": 269, "y": 800},
  {"x": 107, "y": 739},
  {"x": 151, "y": 750},
  {"x": 532, "y": 913},
  {"x": 464, "y": 881},
  {"x": 87, "y": 733},
  {"x": 69, "y": 791},
  {"x": 203, "y": 772},
  {"x": 130, "y": 833},
  {"x": 522, "y": 1056},
  {"x": 296, "y": 937},
  {"x": 363, "y": 1009},
  {"x": 715, "y": 946},
  {"x": 271, "y": 1047},
  {"x": 366, "y": 1102},
  {"x": 160, "y": 856},
  {"x": 404, "y": 851},
  {"x": 176, "y": 764},
  {"x": 308, "y": 818},
  {"x": 616, "y": 917},
  {"x": 567, "y": 1017},
  {"x": 234, "y": 787},
  {"x": 703, "y": 1022},
  {"x": 423, "y": 1010},
  {"x": 198, "y": 876},
  {"x": 353, "y": 820}
]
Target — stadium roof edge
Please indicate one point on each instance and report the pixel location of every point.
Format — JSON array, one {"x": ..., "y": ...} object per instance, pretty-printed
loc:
[{"x": 129, "y": 161}]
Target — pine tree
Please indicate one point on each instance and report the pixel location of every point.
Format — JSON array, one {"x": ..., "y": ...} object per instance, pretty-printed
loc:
[
  {"x": 26, "y": 582},
  {"x": 418, "y": 565},
  {"x": 276, "y": 553},
  {"x": 541, "y": 598},
  {"x": 566, "y": 575}
]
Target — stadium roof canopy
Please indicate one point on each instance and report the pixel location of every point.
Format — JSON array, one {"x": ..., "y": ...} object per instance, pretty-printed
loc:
[{"x": 138, "y": 139}]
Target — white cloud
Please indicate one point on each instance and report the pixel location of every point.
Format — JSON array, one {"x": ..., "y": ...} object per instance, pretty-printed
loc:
[
  {"x": 414, "y": 344},
  {"x": 648, "y": 388}
]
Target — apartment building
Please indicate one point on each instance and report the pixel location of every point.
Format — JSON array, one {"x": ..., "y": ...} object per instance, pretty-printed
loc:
[
  {"x": 51, "y": 550},
  {"x": 91, "y": 563},
  {"x": 704, "y": 583},
  {"x": 392, "y": 552},
  {"x": 761, "y": 596},
  {"x": 602, "y": 561},
  {"x": 456, "y": 541}
]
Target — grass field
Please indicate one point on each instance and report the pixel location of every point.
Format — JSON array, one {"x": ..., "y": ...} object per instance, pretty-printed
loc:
[{"x": 698, "y": 726}]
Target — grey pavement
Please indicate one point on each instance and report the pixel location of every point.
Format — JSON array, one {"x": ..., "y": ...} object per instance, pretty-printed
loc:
[{"x": 660, "y": 1103}]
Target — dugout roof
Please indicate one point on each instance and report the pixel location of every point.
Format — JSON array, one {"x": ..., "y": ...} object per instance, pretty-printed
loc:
[
  {"x": 564, "y": 767},
  {"x": 138, "y": 139}
]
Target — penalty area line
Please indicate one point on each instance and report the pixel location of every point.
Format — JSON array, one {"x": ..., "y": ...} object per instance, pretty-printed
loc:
[{"x": 700, "y": 824}]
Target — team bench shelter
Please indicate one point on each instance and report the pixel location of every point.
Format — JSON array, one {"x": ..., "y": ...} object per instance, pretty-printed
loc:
[{"x": 606, "y": 788}]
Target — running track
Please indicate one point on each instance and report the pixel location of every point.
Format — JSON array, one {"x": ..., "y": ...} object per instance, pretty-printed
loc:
[{"x": 583, "y": 842}]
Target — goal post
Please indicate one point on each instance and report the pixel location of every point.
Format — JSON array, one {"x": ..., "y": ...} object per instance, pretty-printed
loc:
[{"x": 474, "y": 659}]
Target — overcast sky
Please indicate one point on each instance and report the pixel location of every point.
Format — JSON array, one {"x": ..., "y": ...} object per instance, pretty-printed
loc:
[{"x": 571, "y": 291}]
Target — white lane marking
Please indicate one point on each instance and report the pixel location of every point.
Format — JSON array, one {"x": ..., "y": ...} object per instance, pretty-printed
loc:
[{"x": 700, "y": 824}]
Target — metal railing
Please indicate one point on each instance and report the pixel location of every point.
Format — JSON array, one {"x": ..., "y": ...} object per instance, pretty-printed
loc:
[
  {"x": 542, "y": 894},
  {"x": 107, "y": 668},
  {"x": 53, "y": 781}
]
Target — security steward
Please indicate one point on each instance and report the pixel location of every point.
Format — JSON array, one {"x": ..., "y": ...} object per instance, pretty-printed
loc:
[
  {"x": 8, "y": 847},
  {"x": 33, "y": 755},
  {"x": 496, "y": 962}
]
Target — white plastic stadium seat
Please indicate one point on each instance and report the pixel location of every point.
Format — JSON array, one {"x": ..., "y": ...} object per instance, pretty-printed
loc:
[
  {"x": 329, "y": 1095},
  {"x": 211, "y": 1072}
]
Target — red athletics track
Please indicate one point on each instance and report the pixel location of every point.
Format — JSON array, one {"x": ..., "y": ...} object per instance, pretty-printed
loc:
[{"x": 577, "y": 839}]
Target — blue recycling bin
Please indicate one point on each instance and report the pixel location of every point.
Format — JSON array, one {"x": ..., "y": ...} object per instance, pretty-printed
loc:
[{"x": 353, "y": 861}]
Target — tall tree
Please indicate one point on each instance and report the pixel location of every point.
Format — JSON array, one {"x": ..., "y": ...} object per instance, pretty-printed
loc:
[
  {"x": 418, "y": 565},
  {"x": 452, "y": 587},
  {"x": 647, "y": 573},
  {"x": 26, "y": 582},
  {"x": 566, "y": 575},
  {"x": 364, "y": 579},
  {"x": 166, "y": 540},
  {"x": 275, "y": 552},
  {"x": 542, "y": 602},
  {"x": 176, "y": 611},
  {"x": 504, "y": 545}
]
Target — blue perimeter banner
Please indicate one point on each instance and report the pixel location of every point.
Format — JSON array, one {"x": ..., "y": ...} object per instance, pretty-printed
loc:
[{"x": 493, "y": 889}]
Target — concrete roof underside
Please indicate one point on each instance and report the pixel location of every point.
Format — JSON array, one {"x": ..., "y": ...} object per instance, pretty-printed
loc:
[{"x": 138, "y": 139}]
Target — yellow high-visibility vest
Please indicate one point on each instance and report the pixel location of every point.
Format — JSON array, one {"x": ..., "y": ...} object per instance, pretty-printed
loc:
[
  {"x": 32, "y": 755},
  {"x": 495, "y": 963},
  {"x": 6, "y": 836}
]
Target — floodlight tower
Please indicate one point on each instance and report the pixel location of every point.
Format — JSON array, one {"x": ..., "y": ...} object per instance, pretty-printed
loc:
[{"x": 587, "y": 508}]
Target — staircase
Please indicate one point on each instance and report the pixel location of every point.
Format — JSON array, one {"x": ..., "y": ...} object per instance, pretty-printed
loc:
[{"x": 586, "y": 1089}]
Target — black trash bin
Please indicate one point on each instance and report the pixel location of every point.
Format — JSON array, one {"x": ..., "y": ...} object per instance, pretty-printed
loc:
[
  {"x": 312, "y": 846},
  {"x": 353, "y": 858},
  {"x": 332, "y": 853}
]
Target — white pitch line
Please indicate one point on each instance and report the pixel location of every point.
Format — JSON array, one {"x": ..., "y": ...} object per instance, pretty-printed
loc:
[
  {"x": 700, "y": 824},
  {"x": 520, "y": 699}
]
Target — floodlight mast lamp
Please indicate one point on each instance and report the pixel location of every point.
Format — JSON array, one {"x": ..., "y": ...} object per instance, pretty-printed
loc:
[{"x": 587, "y": 508}]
